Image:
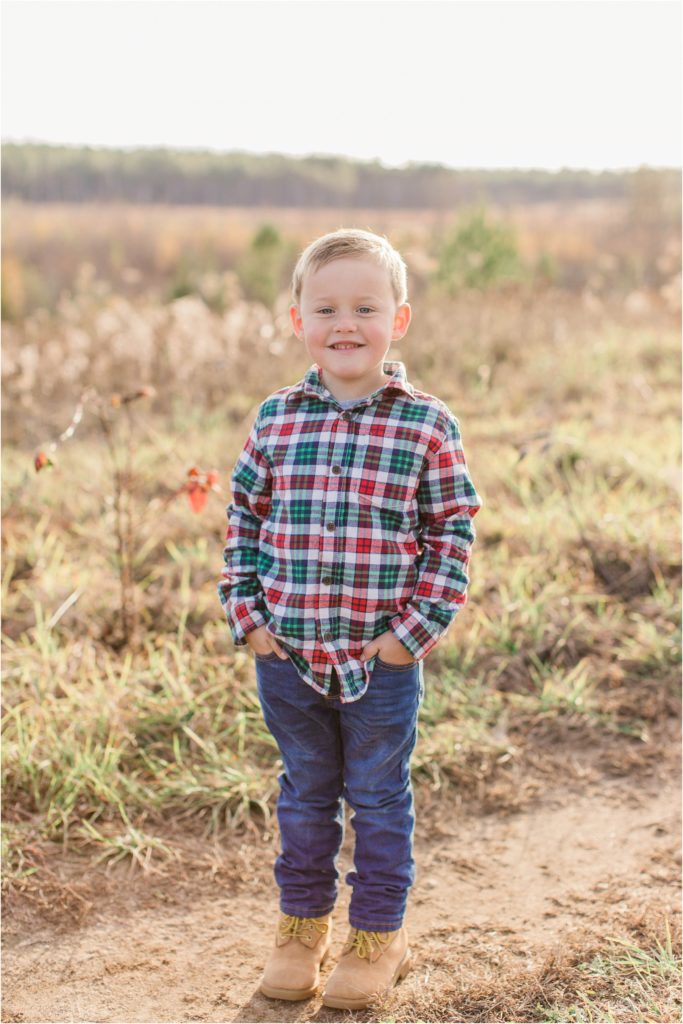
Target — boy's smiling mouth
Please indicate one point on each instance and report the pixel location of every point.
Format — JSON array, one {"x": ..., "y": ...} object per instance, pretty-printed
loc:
[{"x": 342, "y": 346}]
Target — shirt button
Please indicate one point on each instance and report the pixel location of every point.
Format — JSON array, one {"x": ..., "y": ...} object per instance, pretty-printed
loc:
[
  {"x": 327, "y": 636},
  {"x": 330, "y": 526},
  {"x": 336, "y": 469},
  {"x": 327, "y": 580}
]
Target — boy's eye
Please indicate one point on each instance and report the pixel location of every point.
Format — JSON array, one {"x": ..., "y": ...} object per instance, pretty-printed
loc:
[
  {"x": 326, "y": 310},
  {"x": 365, "y": 309}
]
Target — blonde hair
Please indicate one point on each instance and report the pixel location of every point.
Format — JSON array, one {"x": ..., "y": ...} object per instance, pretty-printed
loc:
[{"x": 351, "y": 242}]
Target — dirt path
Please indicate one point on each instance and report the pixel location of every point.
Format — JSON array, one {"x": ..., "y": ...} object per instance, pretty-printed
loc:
[{"x": 494, "y": 894}]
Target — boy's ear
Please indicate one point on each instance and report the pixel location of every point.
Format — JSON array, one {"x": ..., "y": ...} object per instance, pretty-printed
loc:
[
  {"x": 401, "y": 321},
  {"x": 297, "y": 322}
]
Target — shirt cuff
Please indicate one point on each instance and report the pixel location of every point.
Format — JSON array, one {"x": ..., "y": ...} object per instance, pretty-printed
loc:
[
  {"x": 243, "y": 620},
  {"x": 415, "y": 632}
]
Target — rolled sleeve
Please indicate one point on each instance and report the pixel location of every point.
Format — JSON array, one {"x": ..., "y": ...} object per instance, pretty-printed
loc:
[
  {"x": 239, "y": 588},
  {"x": 447, "y": 502}
]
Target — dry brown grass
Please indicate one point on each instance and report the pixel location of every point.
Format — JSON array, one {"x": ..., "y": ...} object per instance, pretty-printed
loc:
[{"x": 138, "y": 249}]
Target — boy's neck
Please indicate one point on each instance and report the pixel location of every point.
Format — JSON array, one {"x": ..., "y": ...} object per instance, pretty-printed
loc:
[{"x": 346, "y": 390}]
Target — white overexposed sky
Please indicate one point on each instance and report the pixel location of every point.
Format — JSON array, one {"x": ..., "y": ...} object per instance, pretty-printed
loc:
[{"x": 481, "y": 83}]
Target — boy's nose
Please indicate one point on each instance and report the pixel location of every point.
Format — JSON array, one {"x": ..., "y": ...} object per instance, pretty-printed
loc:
[{"x": 345, "y": 323}]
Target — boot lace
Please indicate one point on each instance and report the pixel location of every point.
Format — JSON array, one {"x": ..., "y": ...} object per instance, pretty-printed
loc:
[
  {"x": 363, "y": 942},
  {"x": 291, "y": 927}
]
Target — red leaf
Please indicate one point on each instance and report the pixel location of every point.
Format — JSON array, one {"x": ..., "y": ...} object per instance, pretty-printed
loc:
[{"x": 197, "y": 497}]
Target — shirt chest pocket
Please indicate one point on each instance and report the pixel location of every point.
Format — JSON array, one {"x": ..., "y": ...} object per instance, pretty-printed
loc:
[
  {"x": 385, "y": 518},
  {"x": 384, "y": 475},
  {"x": 385, "y": 470}
]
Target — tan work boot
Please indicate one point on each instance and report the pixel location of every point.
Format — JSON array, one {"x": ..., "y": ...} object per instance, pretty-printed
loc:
[
  {"x": 370, "y": 964},
  {"x": 293, "y": 968}
]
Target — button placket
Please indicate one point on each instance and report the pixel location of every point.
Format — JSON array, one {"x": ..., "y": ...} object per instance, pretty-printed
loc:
[
  {"x": 328, "y": 521},
  {"x": 334, "y": 476}
]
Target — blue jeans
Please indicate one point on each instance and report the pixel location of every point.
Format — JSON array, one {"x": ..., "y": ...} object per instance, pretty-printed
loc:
[{"x": 359, "y": 751}]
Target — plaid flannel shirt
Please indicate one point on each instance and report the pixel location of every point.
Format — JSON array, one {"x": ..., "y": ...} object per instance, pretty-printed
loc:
[{"x": 346, "y": 523}]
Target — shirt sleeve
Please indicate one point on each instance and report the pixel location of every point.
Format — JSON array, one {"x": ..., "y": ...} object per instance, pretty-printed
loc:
[
  {"x": 448, "y": 502},
  {"x": 239, "y": 588}
]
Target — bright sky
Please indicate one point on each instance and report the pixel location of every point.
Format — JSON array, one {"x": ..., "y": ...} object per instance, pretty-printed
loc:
[{"x": 482, "y": 83}]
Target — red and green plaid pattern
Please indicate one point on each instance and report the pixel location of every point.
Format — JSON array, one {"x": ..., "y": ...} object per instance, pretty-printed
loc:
[{"x": 346, "y": 523}]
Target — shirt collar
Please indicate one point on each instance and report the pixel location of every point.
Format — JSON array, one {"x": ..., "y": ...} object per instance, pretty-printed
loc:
[{"x": 311, "y": 384}]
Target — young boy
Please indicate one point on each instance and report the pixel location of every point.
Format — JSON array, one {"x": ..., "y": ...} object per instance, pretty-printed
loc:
[{"x": 349, "y": 536}]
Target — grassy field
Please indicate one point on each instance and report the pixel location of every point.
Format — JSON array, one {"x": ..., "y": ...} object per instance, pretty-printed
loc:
[{"x": 118, "y": 726}]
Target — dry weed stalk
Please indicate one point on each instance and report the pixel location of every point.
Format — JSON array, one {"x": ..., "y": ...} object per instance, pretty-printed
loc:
[{"x": 121, "y": 451}]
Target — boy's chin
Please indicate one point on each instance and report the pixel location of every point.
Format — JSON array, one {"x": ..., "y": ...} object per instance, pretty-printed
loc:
[
  {"x": 351, "y": 376},
  {"x": 353, "y": 366}
]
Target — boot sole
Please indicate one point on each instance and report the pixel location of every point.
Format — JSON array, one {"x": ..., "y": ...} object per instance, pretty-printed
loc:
[
  {"x": 360, "y": 1004},
  {"x": 293, "y": 994},
  {"x": 289, "y": 994}
]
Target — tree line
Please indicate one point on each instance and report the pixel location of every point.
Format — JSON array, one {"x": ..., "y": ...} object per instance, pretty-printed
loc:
[{"x": 47, "y": 173}]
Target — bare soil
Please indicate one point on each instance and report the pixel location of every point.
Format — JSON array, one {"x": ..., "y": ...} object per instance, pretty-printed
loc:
[{"x": 585, "y": 855}]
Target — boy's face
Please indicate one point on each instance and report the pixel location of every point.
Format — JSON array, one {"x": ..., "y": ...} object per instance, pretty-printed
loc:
[{"x": 348, "y": 318}]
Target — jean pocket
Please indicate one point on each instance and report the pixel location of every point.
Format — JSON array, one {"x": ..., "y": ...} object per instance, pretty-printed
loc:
[
  {"x": 265, "y": 657},
  {"x": 395, "y": 668}
]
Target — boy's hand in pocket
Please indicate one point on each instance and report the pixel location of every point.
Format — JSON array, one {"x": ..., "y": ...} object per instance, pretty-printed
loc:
[
  {"x": 262, "y": 642},
  {"x": 389, "y": 648}
]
